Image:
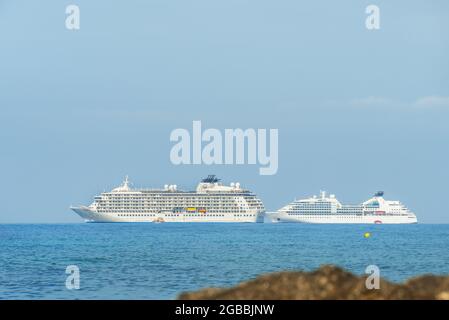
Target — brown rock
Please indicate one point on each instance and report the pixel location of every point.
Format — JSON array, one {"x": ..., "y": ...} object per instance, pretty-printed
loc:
[{"x": 327, "y": 282}]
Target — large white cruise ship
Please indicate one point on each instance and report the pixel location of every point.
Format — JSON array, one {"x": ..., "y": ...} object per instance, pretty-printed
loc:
[
  {"x": 327, "y": 209},
  {"x": 210, "y": 202}
]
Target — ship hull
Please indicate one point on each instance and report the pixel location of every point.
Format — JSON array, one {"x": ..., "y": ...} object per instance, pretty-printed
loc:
[
  {"x": 90, "y": 215},
  {"x": 343, "y": 219}
]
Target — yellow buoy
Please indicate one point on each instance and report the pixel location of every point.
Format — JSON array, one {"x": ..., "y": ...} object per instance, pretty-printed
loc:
[{"x": 367, "y": 235}]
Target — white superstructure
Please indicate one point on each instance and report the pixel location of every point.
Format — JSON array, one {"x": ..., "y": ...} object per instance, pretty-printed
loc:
[
  {"x": 210, "y": 202},
  {"x": 327, "y": 209}
]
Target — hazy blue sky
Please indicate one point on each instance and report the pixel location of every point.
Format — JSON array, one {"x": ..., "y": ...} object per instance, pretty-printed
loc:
[{"x": 357, "y": 110}]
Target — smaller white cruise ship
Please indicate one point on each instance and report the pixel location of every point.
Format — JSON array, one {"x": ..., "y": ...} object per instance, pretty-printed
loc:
[{"x": 327, "y": 209}]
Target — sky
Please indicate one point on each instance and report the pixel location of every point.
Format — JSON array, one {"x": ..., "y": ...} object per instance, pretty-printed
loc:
[{"x": 357, "y": 110}]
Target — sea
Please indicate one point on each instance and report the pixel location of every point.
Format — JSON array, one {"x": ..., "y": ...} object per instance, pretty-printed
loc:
[{"x": 159, "y": 261}]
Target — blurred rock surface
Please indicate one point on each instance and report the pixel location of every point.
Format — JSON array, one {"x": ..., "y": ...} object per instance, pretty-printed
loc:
[{"x": 327, "y": 282}]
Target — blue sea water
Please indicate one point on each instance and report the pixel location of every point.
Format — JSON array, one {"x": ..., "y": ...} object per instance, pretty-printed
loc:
[{"x": 158, "y": 261}]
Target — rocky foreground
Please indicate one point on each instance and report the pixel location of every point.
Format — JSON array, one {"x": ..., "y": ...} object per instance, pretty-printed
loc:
[{"x": 327, "y": 282}]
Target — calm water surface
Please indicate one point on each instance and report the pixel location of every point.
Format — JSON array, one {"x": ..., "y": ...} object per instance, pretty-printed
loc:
[{"x": 158, "y": 261}]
